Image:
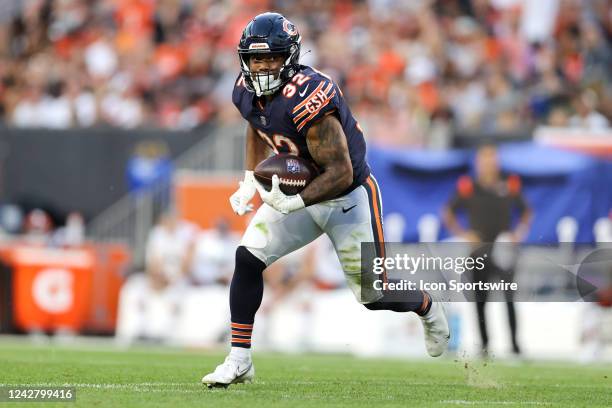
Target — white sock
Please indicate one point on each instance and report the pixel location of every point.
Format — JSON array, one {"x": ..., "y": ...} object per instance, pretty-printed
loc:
[{"x": 241, "y": 353}]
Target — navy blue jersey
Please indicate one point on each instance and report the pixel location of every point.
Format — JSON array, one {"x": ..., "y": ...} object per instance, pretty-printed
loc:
[{"x": 284, "y": 121}]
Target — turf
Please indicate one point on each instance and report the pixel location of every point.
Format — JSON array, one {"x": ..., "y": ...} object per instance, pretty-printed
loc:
[{"x": 152, "y": 377}]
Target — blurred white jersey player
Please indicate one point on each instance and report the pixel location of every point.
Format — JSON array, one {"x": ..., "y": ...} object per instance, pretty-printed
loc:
[{"x": 149, "y": 303}]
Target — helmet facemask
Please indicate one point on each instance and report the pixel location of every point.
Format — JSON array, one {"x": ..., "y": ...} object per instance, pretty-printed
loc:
[{"x": 269, "y": 82}]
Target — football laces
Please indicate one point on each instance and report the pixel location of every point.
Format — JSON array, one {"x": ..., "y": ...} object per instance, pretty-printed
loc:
[{"x": 292, "y": 182}]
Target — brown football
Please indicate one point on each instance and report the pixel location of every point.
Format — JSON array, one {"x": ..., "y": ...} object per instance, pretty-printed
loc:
[{"x": 294, "y": 173}]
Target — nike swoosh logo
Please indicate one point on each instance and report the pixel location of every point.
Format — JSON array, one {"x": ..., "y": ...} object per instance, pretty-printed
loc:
[
  {"x": 304, "y": 91},
  {"x": 240, "y": 374},
  {"x": 345, "y": 210}
]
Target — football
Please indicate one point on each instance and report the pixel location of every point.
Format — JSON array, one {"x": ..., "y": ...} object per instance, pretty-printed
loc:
[{"x": 294, "y": 173}]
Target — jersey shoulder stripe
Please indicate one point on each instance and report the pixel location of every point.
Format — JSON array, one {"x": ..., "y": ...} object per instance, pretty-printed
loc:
[
  {"x": 239, "y": 92},
  {"x": 320, "y": 93},
  {"x": 314, "y": 113},
  {"x": 308, "y": 98},
  {"x": 314, "y": 102}
]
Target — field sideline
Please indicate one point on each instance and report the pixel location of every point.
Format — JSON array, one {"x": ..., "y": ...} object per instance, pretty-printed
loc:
[{"x": 154, "y": 377}]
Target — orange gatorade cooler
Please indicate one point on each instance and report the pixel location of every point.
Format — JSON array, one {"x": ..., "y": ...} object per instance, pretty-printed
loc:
[{"x": 51, "y": 287}]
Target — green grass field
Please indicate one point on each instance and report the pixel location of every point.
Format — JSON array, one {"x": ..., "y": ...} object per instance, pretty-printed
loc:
[{"x": 152, "y": 377}]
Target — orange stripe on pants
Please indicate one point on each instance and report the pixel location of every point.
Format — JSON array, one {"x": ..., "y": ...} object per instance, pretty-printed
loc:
[{"x": 375, "y": 207}]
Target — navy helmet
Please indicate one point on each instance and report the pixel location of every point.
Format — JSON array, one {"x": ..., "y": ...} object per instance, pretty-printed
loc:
[{"x": 269, "y": 33}]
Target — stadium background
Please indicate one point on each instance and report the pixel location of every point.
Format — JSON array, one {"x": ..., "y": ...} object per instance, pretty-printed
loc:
[{"x": 115, "y": 113}]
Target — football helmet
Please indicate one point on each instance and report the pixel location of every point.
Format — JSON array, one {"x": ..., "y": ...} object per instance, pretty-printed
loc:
[{"x": 269, "y": 33}]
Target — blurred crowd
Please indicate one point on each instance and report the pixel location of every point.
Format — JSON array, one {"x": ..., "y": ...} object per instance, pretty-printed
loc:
[
  {"x": 188, "y": 270},
  {"x": 181, "y": 295},
  {"x": 30, "y": 225},
  {"x": 414, "y": 71}
]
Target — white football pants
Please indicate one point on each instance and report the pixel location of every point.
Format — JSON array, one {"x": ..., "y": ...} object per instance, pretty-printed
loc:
[{"x": 348, "y": 221}]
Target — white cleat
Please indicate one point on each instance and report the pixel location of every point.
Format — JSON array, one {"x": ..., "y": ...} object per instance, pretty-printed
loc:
[
  {"x": 437, "y": 332},
  {"x": 232, "y": 371}
]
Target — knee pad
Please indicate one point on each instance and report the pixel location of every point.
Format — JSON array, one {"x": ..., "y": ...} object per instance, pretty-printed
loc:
[
  {"x": 400, "y": 307},
  {"x": 246, "y": 261},
  {"x": 378, "y": 305}
]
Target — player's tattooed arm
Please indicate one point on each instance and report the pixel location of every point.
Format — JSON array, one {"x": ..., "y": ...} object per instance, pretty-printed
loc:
[
  {"x": 327, "y": 145},
  {"x": 256, "y": 149}
]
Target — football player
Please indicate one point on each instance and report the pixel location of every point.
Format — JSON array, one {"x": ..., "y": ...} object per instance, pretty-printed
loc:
[{"x": 292, "y": 108}]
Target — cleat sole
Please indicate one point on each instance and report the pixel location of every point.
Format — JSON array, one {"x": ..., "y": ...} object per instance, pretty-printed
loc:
[{"x": 216, "y": 385}]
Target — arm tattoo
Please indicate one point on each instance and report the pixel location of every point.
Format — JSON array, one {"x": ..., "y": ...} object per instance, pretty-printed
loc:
[{"x": 327, "y": 146}]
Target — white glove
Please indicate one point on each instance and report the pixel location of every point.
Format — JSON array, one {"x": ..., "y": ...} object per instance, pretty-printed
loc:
[
  {"x": 240, "y": 199},
  {"x": 276, "y": 199}
]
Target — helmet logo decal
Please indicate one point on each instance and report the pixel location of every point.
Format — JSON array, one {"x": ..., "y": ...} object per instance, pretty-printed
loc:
[
  {"x": 259, "y": 46},
  {"x": 289, "y": 28}
]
